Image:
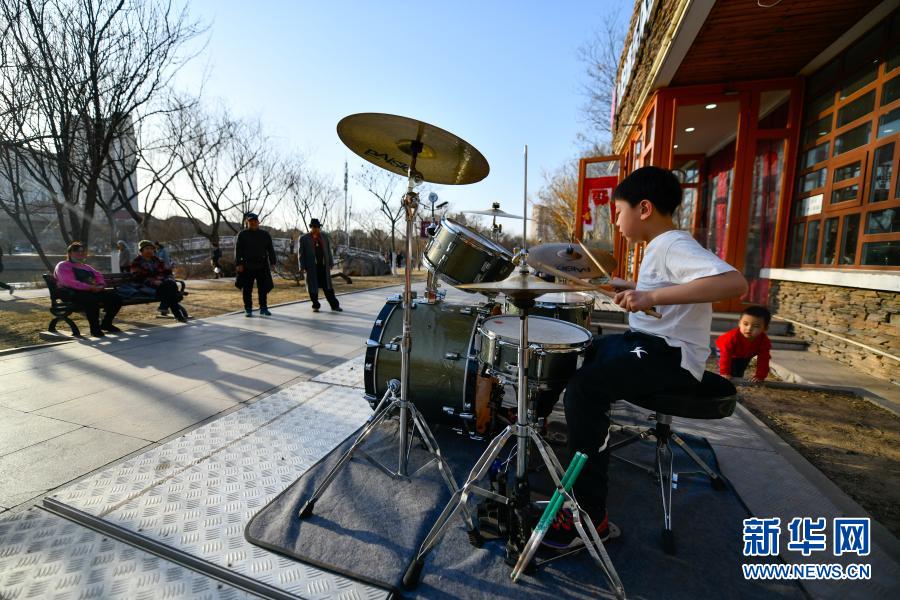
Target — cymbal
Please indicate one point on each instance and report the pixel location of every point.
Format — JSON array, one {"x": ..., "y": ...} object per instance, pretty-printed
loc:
[
  {"x": 387, "y": 141},
  {"x": 571, "y": 259},
  {"x": 492, "y": 212},
  {"x": 519, "y": 286}
]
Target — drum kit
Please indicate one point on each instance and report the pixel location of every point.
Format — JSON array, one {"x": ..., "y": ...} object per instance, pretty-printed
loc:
[{"x": 465, "y": 353}]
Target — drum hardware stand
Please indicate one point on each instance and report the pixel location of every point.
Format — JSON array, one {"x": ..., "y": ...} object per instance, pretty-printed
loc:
[
  {"x": 390, "y": 401},
  {"x": 520, "y": 500},
  {"x": 432, "y": 282},
  {"x": 496, "y": 230}
]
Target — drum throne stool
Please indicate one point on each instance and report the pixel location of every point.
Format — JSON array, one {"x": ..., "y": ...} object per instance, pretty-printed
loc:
[{"x": 713, "y": 398}]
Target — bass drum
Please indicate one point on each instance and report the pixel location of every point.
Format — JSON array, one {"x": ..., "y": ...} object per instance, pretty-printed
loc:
[{"x": 444, "y": 379}]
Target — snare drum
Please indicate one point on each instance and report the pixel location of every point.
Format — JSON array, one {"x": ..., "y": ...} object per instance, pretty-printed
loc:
[
  {"x": 458, "y": 255},
  {"x": 554, "y": 349},
  {"x": 572, "y": 307},
  {"x": 444, "y": 380}
]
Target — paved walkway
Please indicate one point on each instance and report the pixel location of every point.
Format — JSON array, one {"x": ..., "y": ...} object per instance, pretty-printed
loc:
[
  {"x": 70, "y": 409},
  {"x": 813, "y": 369}
]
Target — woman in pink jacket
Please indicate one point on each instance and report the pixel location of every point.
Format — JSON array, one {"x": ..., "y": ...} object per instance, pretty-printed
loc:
[{"x": 82, "y": 283}]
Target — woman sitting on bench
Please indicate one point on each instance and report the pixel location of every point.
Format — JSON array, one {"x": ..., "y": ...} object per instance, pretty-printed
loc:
[
  {"x": 148, "y": 270},
  {"x": 84, "y": 285}
]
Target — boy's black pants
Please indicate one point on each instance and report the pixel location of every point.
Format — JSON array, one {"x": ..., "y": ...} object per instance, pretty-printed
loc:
[{"x": 615, "y": 367}]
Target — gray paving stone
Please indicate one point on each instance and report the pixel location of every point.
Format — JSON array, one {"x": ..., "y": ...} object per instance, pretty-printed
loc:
[
  {"x": 33, "y": 471},
  {"x": 19, "y": 429},
  {"x": 161, "y": 419}
]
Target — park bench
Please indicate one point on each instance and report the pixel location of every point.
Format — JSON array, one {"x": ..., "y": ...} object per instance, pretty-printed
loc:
[{"x": 61, "y": 306}]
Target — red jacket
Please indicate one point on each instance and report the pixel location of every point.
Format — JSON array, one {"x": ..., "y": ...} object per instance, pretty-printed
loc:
[{"x": 734, "y": 345}]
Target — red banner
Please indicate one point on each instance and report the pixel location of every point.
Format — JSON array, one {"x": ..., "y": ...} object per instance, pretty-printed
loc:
[{"x": 597, "y": 192}]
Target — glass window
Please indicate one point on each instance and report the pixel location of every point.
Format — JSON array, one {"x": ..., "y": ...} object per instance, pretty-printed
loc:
[
  {"x": 890, "y": 91},
  {"x": 848, "y": 171},
  {"x": 815, "y": 155},
  {"x": 813, "y": 180},
  {"x": 812, "y": 242},
  {"x": 797, "y": 244},
  {"x": 882, "y": 169},
  {"x": 845, "y": 194},
  {"x": 856, "y": 80},
  {"x": 820, "y": 103},
  {"x": 883, "y": 221},
  {"x": 893, "y": 54},
  {"x": 882, "y": 254},
  {"x": 854, "y": 138},
  {"x": 856, "y": 109},
  {"x": 829, "y": 241},
  {"x": 888, "y": 123},
  {"x": 688, "y": 172},
  {"x": 848, "y": 239},
  {"x": 684, "y": 214},
  {"x": 861, "y": 62},
  {"x": 816, "y": 130},
  {"x": 824, "y": 77}
]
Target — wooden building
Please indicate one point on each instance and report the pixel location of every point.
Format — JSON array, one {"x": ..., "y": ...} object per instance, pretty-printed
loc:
[{"x": 782, "y": 119}]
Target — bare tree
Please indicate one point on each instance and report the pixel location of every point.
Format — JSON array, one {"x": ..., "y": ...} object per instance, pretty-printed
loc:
[
  {"x": 370, "y": 234},
  {"x": 387, "y": 188},
  {"x": 223, "y": 168},
  {"x": 309, "y": 194},
  {"x": 87, "y": 71},
  {"x": 601, "y": 55},
  {"x": 557, "y": 202}
]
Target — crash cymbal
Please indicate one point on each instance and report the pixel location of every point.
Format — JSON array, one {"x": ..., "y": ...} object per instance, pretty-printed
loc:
[
  {"x": 519, "y": 286},
  {"x": 571, "y": 259},
  {"x": 494, "y": 211},
  {"x": 387, "y": 141}
]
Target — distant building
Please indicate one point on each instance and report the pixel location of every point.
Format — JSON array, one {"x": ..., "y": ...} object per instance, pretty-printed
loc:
[
  {"x": 783, "y": 123},
  {"x": 35, "y": 174}
]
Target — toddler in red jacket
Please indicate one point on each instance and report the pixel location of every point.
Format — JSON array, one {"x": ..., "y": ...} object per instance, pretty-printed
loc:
[{"x": 745, "y": 341}]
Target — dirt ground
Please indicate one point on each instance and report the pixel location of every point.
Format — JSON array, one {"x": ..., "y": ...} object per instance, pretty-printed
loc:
[
  {"x": 853, "y": 442},
  {"x": 21, "y": 321}
]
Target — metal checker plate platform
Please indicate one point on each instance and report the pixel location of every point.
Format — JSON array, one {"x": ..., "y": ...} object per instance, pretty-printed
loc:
[
  {"x": 45, "y": 556},
  {"x": 349, "y": 374},
  {"x": 194, "y": 495}
]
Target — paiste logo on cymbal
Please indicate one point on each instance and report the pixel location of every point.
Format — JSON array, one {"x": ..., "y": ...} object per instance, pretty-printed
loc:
[
  {"x": 572, "y": 268},
  {"x": 388, "y": 159}
]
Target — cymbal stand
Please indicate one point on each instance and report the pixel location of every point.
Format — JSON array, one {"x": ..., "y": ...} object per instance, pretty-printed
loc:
[
  {"x": 432, "y": 281},
  {"x": 496, "y": 230},
  {"x": 391, "y": 402},
  {"x": 523, "y": 430}
]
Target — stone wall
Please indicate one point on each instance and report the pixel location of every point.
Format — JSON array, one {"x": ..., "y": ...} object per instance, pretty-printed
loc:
[
  {"x": 660, "y": 24},
  {"x": 869, "y": 317}
]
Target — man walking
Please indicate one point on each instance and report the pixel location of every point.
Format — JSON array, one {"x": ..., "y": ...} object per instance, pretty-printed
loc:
[
  {"x": 314, "y": 257},
  {"x": 254, "y": 257}
]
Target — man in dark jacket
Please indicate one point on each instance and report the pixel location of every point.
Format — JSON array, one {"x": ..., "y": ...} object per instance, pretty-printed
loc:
[
  {"x": 314, "y": 257},
  {"x": 254, "y": 254}
]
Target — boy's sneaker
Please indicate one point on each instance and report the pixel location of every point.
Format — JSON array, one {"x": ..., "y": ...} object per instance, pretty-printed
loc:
[
  {"x": 562, "y": 534},
  {"x": 248, "y": 312},
  {"x": 265, "y": 312}
]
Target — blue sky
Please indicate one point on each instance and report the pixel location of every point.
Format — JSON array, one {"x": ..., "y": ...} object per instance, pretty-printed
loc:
[{"x": 499, "y": 74}]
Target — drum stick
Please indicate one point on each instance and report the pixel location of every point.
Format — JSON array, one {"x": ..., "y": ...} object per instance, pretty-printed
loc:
[
  {"x": 556, "y": 502},
  {"x": 596, "y": 262},
  {"x": 556, "y": 272}
]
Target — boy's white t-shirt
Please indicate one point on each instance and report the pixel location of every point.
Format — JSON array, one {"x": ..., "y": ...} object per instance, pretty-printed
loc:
[{"x": 673, "y": 258}]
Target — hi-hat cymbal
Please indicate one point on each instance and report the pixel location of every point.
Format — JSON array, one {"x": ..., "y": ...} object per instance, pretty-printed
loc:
[
  {"x": 388, "y": 140},
  {"x": 571, "y": 259},
  {"x": 494, "y": 212},
  {"x": 519, "y": 286}
]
